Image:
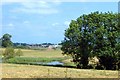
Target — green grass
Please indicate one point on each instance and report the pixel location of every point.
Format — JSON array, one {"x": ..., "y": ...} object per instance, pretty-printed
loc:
[
  {"x": 32, "y": 56},
  {"x": 31, "y": 59}
]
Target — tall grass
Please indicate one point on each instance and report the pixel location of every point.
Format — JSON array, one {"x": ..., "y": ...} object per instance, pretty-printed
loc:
[{"x": 31, "y": 59}]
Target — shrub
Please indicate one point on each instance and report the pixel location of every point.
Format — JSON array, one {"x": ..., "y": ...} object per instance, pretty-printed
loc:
[
  {"x": 19, "y": 52},
  {"x": 9, "y": 53}
]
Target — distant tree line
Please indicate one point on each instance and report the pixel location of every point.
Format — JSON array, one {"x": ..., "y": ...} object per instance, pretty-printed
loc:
[
  {"x": 5, "y": 41},
  {"x": 30, "y": 46}
]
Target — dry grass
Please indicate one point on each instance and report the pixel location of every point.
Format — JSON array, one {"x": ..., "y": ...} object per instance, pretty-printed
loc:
[
  {"x": 44, "y": 53},
  {"x": 39, "y": 53},
  {"x": 32, "y": 71}
]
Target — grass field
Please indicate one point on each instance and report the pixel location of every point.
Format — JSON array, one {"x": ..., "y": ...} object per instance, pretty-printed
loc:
[
  {"x": 38, "y": 71},
  {"x": 40, "y": 53},
  {"x": 41, "y": 56},
  {"x": 32, "y": 71}
]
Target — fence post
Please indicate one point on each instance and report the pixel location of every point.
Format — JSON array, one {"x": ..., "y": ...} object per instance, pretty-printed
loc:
[
  {"x": 48, "y": 73},
  {"x": 66, "y": 73}
]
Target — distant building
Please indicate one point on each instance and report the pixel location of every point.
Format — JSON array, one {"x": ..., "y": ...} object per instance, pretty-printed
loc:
[{"x": 54, "y": 46}]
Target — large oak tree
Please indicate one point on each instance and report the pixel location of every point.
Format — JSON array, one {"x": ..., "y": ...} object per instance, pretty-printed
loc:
[{"x": 95, "y": 34}]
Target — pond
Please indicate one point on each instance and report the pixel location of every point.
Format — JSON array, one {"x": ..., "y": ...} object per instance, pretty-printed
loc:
[
  {"x": 50, "y": 63},
  {"x": 55, "y": 63}
]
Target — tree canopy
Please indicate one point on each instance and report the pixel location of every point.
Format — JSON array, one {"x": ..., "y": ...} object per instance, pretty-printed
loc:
[
  {"x": 6, "y": 40},
  {"x": 95, "y": 34}
]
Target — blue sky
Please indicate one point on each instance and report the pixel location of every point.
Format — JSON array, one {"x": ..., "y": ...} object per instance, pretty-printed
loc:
[{"x": 40, "y": 21}]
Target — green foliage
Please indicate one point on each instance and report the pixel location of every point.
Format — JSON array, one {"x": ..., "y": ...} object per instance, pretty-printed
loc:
[
  {"x": 106, "y": 42},
  {"x": 9, "y": 53},
  {"x": 6, "y": 41},
  {"x": 19, "y": 52},
  {"x": 95, "y": 34},
  {"x": 26, "y": 60}
]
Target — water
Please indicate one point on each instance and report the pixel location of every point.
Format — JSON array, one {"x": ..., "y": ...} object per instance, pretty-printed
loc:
[
  {"x": 55, "y": 63},
  {"x": 51, "y": 63}
]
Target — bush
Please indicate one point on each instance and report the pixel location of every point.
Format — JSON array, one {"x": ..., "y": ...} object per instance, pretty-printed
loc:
[
  {"x": 9, "y": 53},
  {"x": 19, "y": 52},
  {"x": 93, "y": 62}
]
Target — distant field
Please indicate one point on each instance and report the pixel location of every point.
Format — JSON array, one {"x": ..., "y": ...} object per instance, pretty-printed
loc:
[
  {"x": 45, "y": 55},
  {"x": 40, "y": 53},
  {"x": 32, "y": 71}
]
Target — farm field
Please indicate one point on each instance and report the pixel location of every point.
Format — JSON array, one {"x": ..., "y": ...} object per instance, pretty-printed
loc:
[{"x": 39, "y": 71}]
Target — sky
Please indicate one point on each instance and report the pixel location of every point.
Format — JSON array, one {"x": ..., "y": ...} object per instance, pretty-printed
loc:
[{"x": 37, "y": 21}]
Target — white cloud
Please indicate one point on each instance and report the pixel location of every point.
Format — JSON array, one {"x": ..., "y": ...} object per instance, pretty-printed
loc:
[
  {"x": 36, "y": 4},
  {"x": 61, "y": 25},
  {"x": 36, "y": 11},
  {"x": 26, "y": 22},
  {"x": 67, "y": 23},
  {"x": 55, "y": 24},
  {"x": 56, "y": 2},
  {"x": 10, "y": 25},
  {"x": 35, "y": 7}
]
